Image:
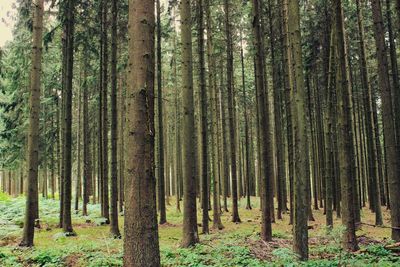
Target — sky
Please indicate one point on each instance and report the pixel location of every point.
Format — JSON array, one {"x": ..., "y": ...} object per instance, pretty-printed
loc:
[{"x": 6, "y": 23}]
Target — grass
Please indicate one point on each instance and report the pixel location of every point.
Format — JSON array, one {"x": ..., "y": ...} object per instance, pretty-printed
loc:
[{"x": 235, "y": 245}]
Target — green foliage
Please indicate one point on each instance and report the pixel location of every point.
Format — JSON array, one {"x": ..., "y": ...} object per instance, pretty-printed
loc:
[
  {"x": 12, "y": 215},
  {"x": 280, "y": 234},
  {"x": 227, "y": 252},
  {"x": 285, "y": 256},
  {"x": 98, "y": 259},
  {"x": 4, "y": 198},
  {"x": 46, "y": 258}
]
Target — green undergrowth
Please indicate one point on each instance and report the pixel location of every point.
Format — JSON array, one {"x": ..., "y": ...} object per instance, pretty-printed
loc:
[
  {"x": 236, "y": 245},
  {"x": 12, "y": 215},
  {"x": 229, "y": 250}
]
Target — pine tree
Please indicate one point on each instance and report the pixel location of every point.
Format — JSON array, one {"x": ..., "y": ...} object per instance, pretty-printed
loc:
[
  {"x": 190, "y": 233},
  {"x": 33, "y": 136},
  {"x": 141, "y": 245}
]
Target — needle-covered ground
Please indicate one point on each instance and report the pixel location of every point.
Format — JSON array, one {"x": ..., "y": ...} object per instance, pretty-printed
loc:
[{"x": 235, "y": 245}]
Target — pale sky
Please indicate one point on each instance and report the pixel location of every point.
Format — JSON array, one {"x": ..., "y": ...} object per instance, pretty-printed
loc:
[{"x": 6, "y": 21}]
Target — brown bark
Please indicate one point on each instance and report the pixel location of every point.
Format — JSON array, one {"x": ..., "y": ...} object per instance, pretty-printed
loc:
[
  {"x": 141, "y": 245},
  {"x": 33, "y": 135}
]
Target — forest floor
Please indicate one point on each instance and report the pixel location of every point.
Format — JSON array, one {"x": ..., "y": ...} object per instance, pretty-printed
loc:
[{"x": 235, "y": 245}]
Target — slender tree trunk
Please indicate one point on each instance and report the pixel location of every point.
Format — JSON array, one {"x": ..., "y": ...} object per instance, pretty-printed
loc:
[
  {"x": 161, "y": 181},
  {"x": 87, "y": 166},
  {"x": 121, "y": 145},
  {"x": 217, "y": 224},
  {"x": 301, "y": 203},
  {"x": 78, "y": 151},
  {"x": 104, "y": 129},
  {"x": 224, "y": 142},
  {"x": 288, "y": 99},
  {"x": 329, "y": 156},
  {"x": 389, "y": 128},
  {"x": 67, "y": 190},
  {"x": 265, "y": 143},
  {"x": 203, "y": 112},
  {"x": 246, "y": 130},
  {"x": 114, "y": 228},
  {"x": 231, "y": 115},
  {"x": 346, "y": 147},
  {"x": 190, "y": 233},
  {"x": 369, "y": 119},
  {"x": 33, "y": 135}
]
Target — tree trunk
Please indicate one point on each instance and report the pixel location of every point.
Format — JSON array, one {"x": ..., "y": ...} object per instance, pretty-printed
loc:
[
  {"x": 265, "y": 143},
  {"x": 203, "y": 112},
  {"x": 369, "y": 117},
  {"x": 104, "y": 129},
  {"x": 33, "y": 135},
  {"x": 389, "y": 129},
  {"x": 67, "y": 190},
  {"x": 114, "y": 228},
  {"x": 190, "y": 234},
  {"x": 231, "y": 115},
  {"x": 301, "y": 179},
  {"x": 346, "y": 147},
  {"x": 141, "y": 245},
  {"x": 87, "y": 164}
]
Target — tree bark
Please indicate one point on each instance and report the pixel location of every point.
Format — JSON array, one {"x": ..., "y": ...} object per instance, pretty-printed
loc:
[
  {"x": 114, "y": 228},
  {"x": 190, "y": 233},
  {"x": 389, "y": 128},
  {"x": 141, "y": 245},
  {"x": 301, "y": 179},
  {"x": 346, "y": 147},
  {"x": 33, "y": 135},
  {"x": 67, "y": 190}
]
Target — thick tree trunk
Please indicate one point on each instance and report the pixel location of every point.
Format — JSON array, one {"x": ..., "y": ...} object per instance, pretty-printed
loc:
[{"x": 141, "y": 245}]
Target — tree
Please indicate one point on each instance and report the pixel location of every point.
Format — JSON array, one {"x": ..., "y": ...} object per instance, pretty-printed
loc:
[
  {"x": 345, "y": 129},
  {"x": 231, "y": 110},
  {"x": 389, "y": 128},
  {"x": 104, "y": 110},
  {"x": 190, "y": 233},
  {"x": 87, "y": 163},
  {"x": 263, "y": 122},
  {"x": 69, "y": 61},
  {"x": 114, "y": 124},
  {"x": 141, "y": 246},
  {"x": 301, "y": 177},
  {"x": 161, "y": 181},
  {"x": 203, "y": 111},
  {"x": 33, "y": 135},
  {"x": 369, "y": 119}
]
